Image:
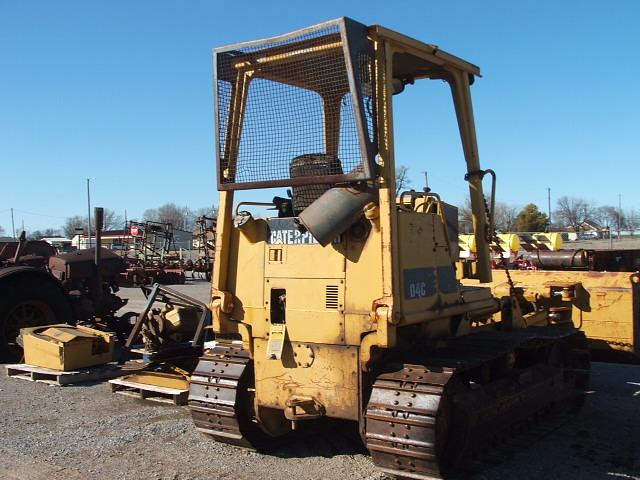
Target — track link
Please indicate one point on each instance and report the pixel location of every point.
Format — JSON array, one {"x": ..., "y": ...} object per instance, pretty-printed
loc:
[
  {"x": 217, "y": 394},
  {"x": 432, "y": 415},
  {"x": 402, "y": 416}
]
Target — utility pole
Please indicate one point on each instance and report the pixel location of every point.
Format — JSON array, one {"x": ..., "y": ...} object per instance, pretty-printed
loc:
[
  {"x": 549, "y": 205},
  {"x": 13, "y": 226},
  {"x": 610, "y": 238},
  {"x": 89, "y": 212},
  {"x": 619, "y": 214}
]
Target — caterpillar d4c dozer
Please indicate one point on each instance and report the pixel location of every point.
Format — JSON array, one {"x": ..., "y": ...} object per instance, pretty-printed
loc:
[{"x": 346, "y": 303}]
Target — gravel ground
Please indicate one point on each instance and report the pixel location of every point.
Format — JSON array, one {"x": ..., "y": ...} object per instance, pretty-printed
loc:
[
  {"x": 196, "y": 288},
  {"x": 624, "y": 243},
  {"x": 87, "y": 432}
]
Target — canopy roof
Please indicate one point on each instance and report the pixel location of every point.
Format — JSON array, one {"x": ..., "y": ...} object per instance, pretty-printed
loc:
[{"x": 297, "y": 63}]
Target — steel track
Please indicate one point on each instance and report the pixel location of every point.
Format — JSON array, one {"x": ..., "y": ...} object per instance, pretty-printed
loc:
[
  {"x": 427, "y": 418},
  {"x": 215, "y": 394}
]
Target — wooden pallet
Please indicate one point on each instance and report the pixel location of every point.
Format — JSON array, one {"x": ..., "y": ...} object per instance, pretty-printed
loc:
[
  {"x": 60, "y": 378},
  {"x": 145, "y": 391}
]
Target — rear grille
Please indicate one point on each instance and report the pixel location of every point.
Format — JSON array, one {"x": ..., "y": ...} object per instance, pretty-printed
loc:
[{"x": 331, "y": 297}]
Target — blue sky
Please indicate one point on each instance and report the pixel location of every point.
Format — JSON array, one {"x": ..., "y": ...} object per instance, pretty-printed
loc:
[{"x": 121, "y": 92}]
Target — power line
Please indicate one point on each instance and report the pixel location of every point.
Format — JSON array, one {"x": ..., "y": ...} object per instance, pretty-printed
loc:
[{"x": 37, "y": 214}]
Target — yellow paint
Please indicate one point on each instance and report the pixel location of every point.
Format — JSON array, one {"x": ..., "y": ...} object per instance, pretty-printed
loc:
[
  {"x": 350, "y": 297},
  {"x": 603, "y": 307},
  {"x": 332, "y": 378}
]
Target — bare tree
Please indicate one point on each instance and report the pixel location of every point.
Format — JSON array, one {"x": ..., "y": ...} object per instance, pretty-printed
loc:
[
  {"x": 179, "y": 217},
  {"x": 73, "y": 223},
  {"x": 606, "y": 216},
  {"x": 573, "y": 212},
  {"x": 402, "y": 179},
  {"x": 465, "y": 217},
  {"x": 632, "y": 220},
  {"x": 47, "y": 232},
  {"x": 167, "y": 213},
  {"x": 150, "y": 214},
  {"x": 211, "y": 212},
  {"x": 112, "y": 221},
  {"x": 505, "y": 216}
]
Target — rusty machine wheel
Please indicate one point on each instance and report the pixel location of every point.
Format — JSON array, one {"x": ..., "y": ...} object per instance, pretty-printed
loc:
[
  {"x": 428, "y": 417},
  {"x": 28, "y": 301}
]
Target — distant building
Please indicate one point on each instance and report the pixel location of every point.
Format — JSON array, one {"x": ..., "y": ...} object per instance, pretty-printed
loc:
[
  {"x": 111, "y": 239},
  {"x": 61, "y": 244}
]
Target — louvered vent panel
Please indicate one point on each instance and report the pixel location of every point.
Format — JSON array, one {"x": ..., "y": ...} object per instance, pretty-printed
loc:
[{"x": 331, "y": 297}]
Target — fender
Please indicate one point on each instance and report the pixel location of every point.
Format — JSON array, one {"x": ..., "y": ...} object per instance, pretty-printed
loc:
[{"x": 11, "y": 273}]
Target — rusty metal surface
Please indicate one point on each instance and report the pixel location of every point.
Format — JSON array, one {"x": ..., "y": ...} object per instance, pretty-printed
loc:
[
  {"x": 621, "y": 260},
  {"x": 25, "y": 252},
  {"x": 425, "y": 420},
  {"x": 562, "y": 259},
  {"x": 81, "y": 264}
]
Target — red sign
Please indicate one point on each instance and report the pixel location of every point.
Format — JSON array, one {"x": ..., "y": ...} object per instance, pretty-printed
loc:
[{"x": 134, "y": 230}]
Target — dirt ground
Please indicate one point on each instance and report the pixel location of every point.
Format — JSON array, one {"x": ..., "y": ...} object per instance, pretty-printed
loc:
[
  {"x": 625, "y": 243},
  {"x": 87, "y": 432}
]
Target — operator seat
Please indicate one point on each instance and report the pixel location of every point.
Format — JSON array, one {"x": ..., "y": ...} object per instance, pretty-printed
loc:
[{"x": 312, "y": 165}]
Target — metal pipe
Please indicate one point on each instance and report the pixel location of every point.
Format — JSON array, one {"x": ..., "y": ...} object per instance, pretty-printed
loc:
[
  {"x": 97, "y": 281},
  {"x": 334, "y": 212},
  {"x": 88, "y": 213},
  {"x": 549, "y": 207},
  {"x": 13, "y": 226},
  {"x": 253, "y": 204},
  {"x": 559, "y": 260},
  {"x": 22, "y": 241},
  {"x": 99, "y": 216},
  {"x": 136, "y": 328}
]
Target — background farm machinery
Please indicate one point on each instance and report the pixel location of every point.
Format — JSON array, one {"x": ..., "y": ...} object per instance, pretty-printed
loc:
[{"x": 152, "y": 256}]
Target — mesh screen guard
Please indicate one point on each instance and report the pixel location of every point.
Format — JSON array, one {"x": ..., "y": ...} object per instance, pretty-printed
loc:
[{"x": 309, "y": 93}]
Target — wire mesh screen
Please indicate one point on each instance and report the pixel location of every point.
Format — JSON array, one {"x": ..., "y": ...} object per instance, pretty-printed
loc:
[
  {"x": 365, "y": 76},
  {"x": 282, "y": 100}
]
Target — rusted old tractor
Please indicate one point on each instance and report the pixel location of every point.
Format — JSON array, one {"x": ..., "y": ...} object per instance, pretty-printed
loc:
[
  {"x": 345, "y": 303},
  {"x": 38, "y": 287}
]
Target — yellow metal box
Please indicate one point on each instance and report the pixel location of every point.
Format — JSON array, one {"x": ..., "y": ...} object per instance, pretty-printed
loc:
[{"x": 66, "y": 347}]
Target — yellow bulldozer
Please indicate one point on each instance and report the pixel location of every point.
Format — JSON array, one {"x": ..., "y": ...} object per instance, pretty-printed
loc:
[{"x": 343, "y": 300}]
